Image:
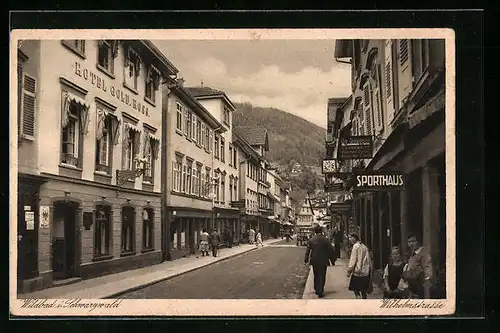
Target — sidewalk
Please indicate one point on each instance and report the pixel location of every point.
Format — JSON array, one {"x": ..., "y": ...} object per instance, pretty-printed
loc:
[
  {"x": 337, "y": 283},
  {"x": 114, "y": 284}
]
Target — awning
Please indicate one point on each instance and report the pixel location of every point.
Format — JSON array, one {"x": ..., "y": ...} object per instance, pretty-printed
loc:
[
  {"x": 434, "y": 105},
  {"x": 69, "y": 98},
  {"x": 272, "y": 196}
]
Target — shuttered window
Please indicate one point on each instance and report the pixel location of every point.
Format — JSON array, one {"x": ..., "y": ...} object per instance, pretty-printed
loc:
[
  {"x": 389, "y": 95},
  {"x": 405, "y": 76},
  {"x": 28, "y": 106},
  {"x": 404, "y": 52}
]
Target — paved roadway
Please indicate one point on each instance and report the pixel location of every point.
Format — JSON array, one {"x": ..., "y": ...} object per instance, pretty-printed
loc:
[{"x": 272, "y": 272}]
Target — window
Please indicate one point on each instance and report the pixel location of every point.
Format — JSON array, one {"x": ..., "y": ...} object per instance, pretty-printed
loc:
[
  {"x": 203, "y": 136},
  {"x": 184, "y": 178},
  {"x": 230, "y": 188},
  {"x": 216, "y": 146},
  {"x": 176, "y": 179},
  {"x": 26, "y": 104},
  {"x": 152, "y": 83},
  {"x": 376, "y": 96},
  {"x": 217, "y": 186},
  {"x": 210, "y": 140},
  {"x": 179, "y": 118},
  {"x": 76, "y": 45},
  {"x": 102, "y": 231},
  {"x": 227, "y": 116},
  {"x": 235, "y": 190},
  {"x": 389, "y": 85},
  {"x": 105, "y": 59},
  {"x": 128, "y": 229},
  {"x": 70, "y": 153},
  {"x": 193, "y": 127},
  {"x": 367, "y": 108},
  {"x": 187, "y": 126},
  {"x": 130, "y": 149},
  {"x": 132, "y": 69},
  {"x": 194, "y": 182},
  {"x": 189, "y": 175},
  {"x": 198, "y": 180},
  {"x": 235, "y": 158},
  {"x": 103, "y": 154},
  {"x": 223, "y": 187},
  {"x": 222, "y": 150},
  {"x": 147, "y": 228},
  {"x": 198, "y": 131},
  {"x": 420, "y": 58},
  {"x": 151, "y": 145},
  {"x": 230, "y": 155},
  {"x": 203, "y": 190},
  {"x": 207, "y": 182}
]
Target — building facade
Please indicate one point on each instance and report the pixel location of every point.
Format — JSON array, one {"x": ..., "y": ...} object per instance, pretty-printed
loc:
[
  {"x": 191, "y": 183},
  {"x": 305, "y": 217},
  {"x": 225, "y": 171},
  {"x": 398, "y": 91},
  {"x": 89, "y": 116}
]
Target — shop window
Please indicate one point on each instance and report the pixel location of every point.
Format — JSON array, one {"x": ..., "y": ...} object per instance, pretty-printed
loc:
[
  {"x": 147, "y": 228},
  {"x": 128, "y": 230},
  {"x": 102, "y": 231}
]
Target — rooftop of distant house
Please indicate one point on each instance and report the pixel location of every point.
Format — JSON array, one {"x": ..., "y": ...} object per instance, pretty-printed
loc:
[
  {"x": 255, "y": 136},
  {"x": 207, "y": 92}
]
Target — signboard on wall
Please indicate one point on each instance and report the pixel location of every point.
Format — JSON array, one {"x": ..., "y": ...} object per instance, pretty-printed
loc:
[
  {"x": 355, "y": 147},
  {"x": 339, "y": 208},
  {"x": 29, "y": 217},
  {"x": 44, "y": 217},
  {"x": 330, "y": 166},
  {"x": 379, "y": 181}
]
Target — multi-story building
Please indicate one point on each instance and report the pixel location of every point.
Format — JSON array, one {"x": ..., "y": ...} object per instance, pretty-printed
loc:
[
  {"x": 225, "y": 170},
  {"x": 249, "y": 164},
  {"x": 305, "y": 217},
  {"x": 89, "y": 122},
  {"x": 273, "y": 194},
  {"x": 398, "y": 99},
  {"x": 191, "y": 183},
  {"x": 258, "y": 139}
]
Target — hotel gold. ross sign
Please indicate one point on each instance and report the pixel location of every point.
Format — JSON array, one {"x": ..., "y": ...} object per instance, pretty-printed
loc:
[{"x": 118, "y": 94}]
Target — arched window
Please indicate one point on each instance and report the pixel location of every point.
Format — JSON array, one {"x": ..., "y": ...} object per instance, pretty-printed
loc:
[
  {"x": 102, "y": 231},
  {"x": 147, "y": 228},
  {"x": 128, "y": 230}
]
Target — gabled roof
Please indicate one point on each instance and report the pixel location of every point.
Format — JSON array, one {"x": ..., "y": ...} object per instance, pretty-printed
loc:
[
  {"x": 245, "y": 146},
  {"x": 255, "y": 136},
  {"x": 207, "y": 92}
]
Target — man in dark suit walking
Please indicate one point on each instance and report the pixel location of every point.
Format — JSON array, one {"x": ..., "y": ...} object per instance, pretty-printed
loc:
[
  {"x": 320, "y": 253},
  {"x": 214, "y": 242}
]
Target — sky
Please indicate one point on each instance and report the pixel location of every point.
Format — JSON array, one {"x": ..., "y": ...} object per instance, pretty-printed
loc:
[{"x": 297, "y": 76}]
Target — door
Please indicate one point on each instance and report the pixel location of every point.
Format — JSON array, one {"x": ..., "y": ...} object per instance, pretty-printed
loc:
[
  {"x": 64, "y": 240},
  {"x": 27, "y": 234}
]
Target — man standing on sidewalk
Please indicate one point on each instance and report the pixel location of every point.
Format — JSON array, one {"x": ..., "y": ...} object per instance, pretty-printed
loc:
[
  {"x": 214, "y": 241},
  {"x": 320, "y": 253}
]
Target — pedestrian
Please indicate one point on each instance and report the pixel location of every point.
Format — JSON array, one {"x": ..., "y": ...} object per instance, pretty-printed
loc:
[
  {"x": 214, "y": 242},
  {"x": 359, "y": 268},
  {"x": 204, "y": 242},
  {"x": 393, "y": 273},
  {"x": 418, "y": 273},
  {"x": 229, "y": 238},
  {"x": 320, "y": 254},
  {"x": 259, "y": 239},
  {"x": 251, "y": 235}
]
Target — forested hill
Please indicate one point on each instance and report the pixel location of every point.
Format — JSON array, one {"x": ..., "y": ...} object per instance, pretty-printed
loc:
[{"x": 290, "y": 137}]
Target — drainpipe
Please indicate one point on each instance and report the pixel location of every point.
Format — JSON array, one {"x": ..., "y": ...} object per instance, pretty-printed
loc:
[{"x": 213, "y": 179}]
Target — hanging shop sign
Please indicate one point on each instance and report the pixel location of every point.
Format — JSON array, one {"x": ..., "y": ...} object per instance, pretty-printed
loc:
[
  {"x": 355, "y": 147},
  {"x": 379, "y": 181},
  {"x": 330, "y": 166},
  {"x": 340, "y": 208}
]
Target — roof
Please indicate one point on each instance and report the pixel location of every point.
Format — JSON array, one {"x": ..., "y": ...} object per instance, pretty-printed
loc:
[
  {"x": 245, "y": 146},
  {"x": 166, "y": 66},
  {"x": 207, "y": 92},
  {"x": 255, "y": 136}
]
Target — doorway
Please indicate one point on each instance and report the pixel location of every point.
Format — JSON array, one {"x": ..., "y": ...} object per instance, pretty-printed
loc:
[{"x": 64, "y": 242}]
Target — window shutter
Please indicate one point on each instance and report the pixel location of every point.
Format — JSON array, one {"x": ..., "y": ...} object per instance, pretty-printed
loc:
[
  {"x": 389, "y": 103},
  {"x": 28, "y": 106},
  {"x": 186, "y": 121},
  {"x": 203, "y": 135},
  {"x": 367, "y": 108},
  {"x": 379, "y": 124},
  {"x": 210, "y": 141},
  {"x": 404, "y": 70},
  {"x": 193, "y": 127}
]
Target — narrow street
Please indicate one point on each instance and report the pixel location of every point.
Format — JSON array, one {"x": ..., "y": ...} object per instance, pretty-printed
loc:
[{"x": 273, "y": 272}]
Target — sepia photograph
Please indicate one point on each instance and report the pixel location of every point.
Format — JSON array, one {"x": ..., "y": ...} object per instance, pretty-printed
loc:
[{"x": 232, "y": 172}]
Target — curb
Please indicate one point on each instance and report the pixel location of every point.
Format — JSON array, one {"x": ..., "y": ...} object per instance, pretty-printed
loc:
[{"x": 150, "y": 283}]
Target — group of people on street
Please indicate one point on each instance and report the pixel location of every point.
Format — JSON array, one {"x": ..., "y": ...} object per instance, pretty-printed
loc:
[
  {"x": 209, "y": 242},
  {"x": 402, "y": 279},
  {"x": 255, "y": 237}
]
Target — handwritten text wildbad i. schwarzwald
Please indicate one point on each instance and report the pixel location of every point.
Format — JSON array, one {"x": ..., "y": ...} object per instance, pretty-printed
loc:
[{"x": 69, "y": 304}]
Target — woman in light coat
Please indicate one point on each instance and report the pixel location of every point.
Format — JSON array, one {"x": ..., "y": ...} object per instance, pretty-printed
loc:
[
  {"x": 359, "y": 268},
  {"x": 259, "y": 239}
]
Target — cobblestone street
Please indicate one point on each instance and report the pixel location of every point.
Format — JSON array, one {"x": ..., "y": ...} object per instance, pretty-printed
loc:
[{"x": 271, "y": 272}]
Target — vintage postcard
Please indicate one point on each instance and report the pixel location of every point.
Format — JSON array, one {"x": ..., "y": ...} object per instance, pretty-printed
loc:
[{"x": 280, "y": 172}]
